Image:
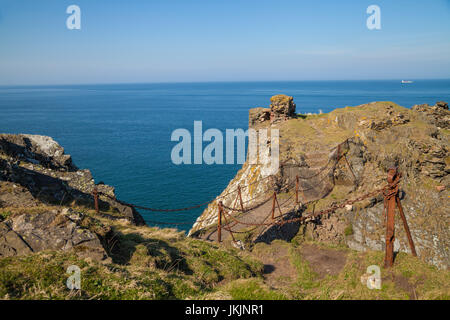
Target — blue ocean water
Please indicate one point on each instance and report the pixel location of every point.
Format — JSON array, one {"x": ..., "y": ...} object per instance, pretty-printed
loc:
[{"x": 122, "y": 132}]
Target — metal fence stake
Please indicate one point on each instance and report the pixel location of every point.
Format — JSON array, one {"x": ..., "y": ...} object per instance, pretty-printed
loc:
[
  {"x": 95, "y": 193},
  {"x": 219, "y": 223}
]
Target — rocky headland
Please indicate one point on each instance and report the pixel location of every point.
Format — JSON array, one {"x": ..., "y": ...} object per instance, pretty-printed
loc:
[{"x": 373, "y": 137}]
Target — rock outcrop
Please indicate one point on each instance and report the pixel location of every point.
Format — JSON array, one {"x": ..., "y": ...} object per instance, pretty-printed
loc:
[
  {"x": 258, "y": 115},
  {"x": 36, "y": 176},
  {"x": 281, "y": 108},
  {"x": 39, "y": 169},
  {"x": 373, "y": 138},
  {"x": 437, "y": 115},
  {"x": 36, "y": 149},
  {"x": 52, "y": 230}
]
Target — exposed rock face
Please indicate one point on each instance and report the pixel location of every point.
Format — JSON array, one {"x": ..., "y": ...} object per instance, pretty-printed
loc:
[
  {"x": 282, "y": 107},
  {"x": 36, "y": 149},
  {"x": 377, "y": 136},
  {"x": 33, "y": 232},
  {"x": 258, "y": 115},
  {"x": 439, "y": 115},
  {"x": 35, "y": 178},
  {"x": 38, "y": 171},
  {"x": 11, "y": 244}
]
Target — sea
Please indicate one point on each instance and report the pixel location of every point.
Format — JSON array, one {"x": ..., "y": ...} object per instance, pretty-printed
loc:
[{"x": 122, "y": 132}]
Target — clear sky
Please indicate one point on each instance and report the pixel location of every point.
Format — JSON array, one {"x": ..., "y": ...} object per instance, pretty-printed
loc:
[{"x": 221, "y": 40}]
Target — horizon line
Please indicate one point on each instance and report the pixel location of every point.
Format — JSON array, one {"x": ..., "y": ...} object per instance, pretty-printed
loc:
[{"x": 214, "y": 81}]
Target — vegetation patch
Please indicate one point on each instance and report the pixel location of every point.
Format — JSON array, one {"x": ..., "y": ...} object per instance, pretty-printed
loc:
[
  {"x": 148, "y": 263},
  {"x": 252, "y": 289}
]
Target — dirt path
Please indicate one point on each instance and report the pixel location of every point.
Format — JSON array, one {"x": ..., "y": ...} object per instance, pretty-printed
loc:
[
  {"x": 278, "y": 269},
  {"x": 324, "y": 261}
]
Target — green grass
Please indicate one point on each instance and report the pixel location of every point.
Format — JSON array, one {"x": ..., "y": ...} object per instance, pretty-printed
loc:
[
  {"x": 4, "y": 215},
  {"x": 306, "y": 278},
  {"x": 348, "y": 230},
  {"x": 148, "y": 263},
  {"x": 153, "y": 263},
  {"x": 180, "y": 268},
  {"x": 424, "y": 281},
  {"x": 252, "y": 289}
]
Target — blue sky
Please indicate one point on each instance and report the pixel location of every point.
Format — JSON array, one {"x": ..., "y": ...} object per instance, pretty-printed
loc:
[{"x": 221, "y": 40}]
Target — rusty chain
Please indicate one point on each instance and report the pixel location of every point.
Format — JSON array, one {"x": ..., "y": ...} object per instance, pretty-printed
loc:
[{"x": 320, "y": 213}]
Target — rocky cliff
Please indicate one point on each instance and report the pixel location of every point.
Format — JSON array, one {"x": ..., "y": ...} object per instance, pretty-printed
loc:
[
  {"x": 39, "y": 186},
  {"x": 373, "y": 137}
]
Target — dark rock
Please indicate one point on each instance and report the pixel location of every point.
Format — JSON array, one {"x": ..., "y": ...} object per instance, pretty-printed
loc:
[{"x": 442, "y": 105}]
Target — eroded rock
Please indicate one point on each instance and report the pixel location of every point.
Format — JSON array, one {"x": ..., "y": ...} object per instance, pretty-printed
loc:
[
  {"x": 282, "y": 108},
  {"x": 258, "y": 115},
  {"x": 438, "y": 115}
]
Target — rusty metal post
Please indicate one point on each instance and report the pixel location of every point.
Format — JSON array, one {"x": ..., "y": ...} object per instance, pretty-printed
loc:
[
  {"x": 95, "y": 194},
  {"x": 350, "y": 168},
  {"x": 219, "y": 223},
  {"x": 240, "y": 198},
  {"x": 296, "y": 189},
  {"x": 390, "y": 221},
  {"x": 405, "y": 224},
  {"x": 273, "y": 204}
]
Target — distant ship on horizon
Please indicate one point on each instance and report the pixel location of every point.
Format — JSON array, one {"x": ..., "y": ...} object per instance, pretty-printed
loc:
[{"x": 407, "y": 81}]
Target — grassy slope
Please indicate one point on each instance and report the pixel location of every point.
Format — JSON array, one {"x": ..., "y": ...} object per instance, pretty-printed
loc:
[
  {"x": 410, "y": 278},
  {"x": 153, "y": 263},
  {"x": 148, "y": 263}
]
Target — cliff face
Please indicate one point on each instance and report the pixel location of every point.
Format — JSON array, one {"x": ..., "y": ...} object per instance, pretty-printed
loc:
[
  {"x": 39, "y": 184},
  {"x": 373, "y": 137}
]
